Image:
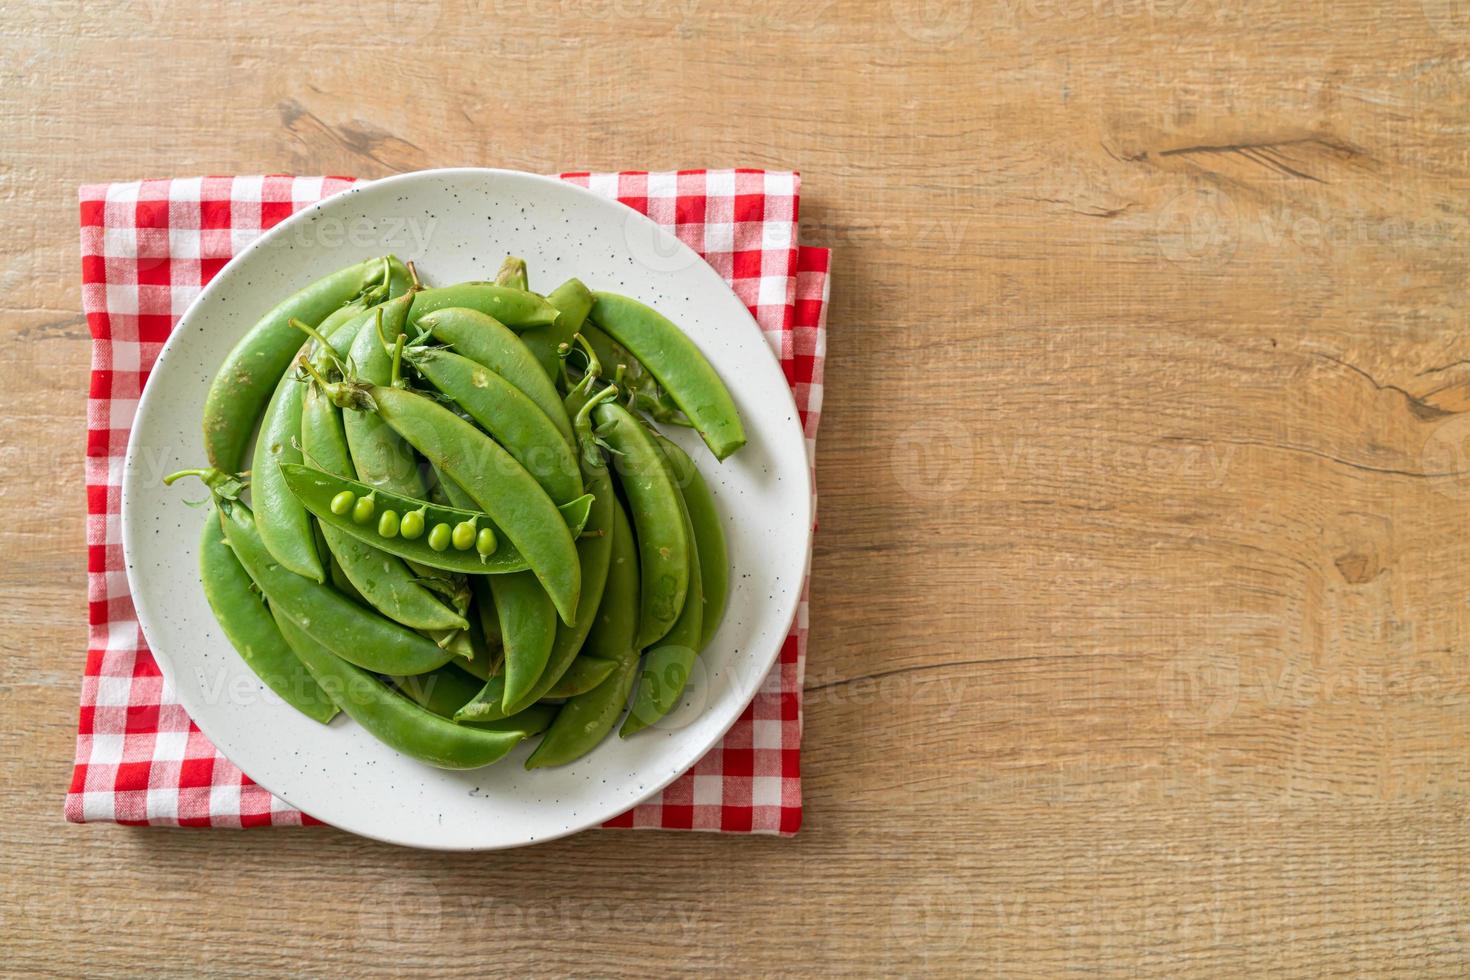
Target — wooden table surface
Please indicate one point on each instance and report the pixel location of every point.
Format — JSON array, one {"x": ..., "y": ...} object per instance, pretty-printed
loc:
[{"x": 1140, "y": 607}]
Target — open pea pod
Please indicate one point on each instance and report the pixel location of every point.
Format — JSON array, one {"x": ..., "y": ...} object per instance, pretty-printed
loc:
[{"x": 416, "y": 538}]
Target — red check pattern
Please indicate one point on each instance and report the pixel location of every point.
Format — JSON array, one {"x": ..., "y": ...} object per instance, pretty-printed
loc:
[{"x": 148, "y": 247}]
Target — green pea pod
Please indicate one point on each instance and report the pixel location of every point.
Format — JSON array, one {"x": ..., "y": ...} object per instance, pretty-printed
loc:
[
  {"x": 594, "y": 551},
  {"x": 349, "y": 630},
  {"x": 678, "y": 366},
  {"x": 248, "y": 625},
  {"x": 586, "y": 719},
  {"x": 709, "y": 538},
  {"x": 316, "y": 490},
  {"x": 527, "y": 627},
  {"x": 572, "y": 301},
  {"x": 380, "y": 457},
  {"x": 283, "y": 523},
  {"x": 508, "y": 415},
  {"x": 379, "y": 577},
  {"x": 516, "y": 308},
  {"x": 583, "y": 675},
  {"x": 513, "y": 273},
  {"x": 495, "y": 481},
  {"x": 666, "y": 666},
  {"x": 392, "y": 718},
  {"x": 488, "y": 342},
  {"x": 665, "y": 548},
  {"x": 251, "y": 370}
]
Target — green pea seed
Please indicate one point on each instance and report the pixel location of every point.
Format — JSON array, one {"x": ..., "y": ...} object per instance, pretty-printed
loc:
[
  {"x": 342, "y": 503},
  {"x": 485, "y": 541},
  {"x": 388, "y": 524},
  {"x": 439, "y": 537},
  {"x": 463, "y": 536},
  {"x": 362, "y": 511},
  {"x": 412, "y": 524}
]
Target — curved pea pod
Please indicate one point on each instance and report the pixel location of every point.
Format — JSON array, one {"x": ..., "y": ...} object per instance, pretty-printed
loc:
[
  {"x": 283, "y": 523},
  {"x": 678, "y": 366},
  {"x": 709, "y": 538},
  {"x": 251, "y": 370},
  {"x": 505, "y": 412},
  {"x": 572, "y": 301},
  {"x": 251, "y": 630},
  {"x": 496, "y": 482},
  {"x": 395, "y": 720},
  {"x": 666, "y": 666},
  {"x": 586, "y": 719},
  {"x": 665, "y": 547},
  {"x": 380, "y": 578},
  {"x": 316, "y": 490},
  {"x": 380, "y": 456},
  {"x": 516, "y": 308},
  {"x": 583, "y": 675},
  {"x": 348, "y": 629},
  {"x": 594, "y": 552},
  {"x": 527, "y": 628},
  {"x": 488, "y": 342}
]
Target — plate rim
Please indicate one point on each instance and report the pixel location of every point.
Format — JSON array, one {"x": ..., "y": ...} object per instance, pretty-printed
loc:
[{"x": 221, "y": 281}]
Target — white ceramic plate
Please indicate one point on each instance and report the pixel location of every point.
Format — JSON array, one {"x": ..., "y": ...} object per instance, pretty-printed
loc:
[{"x": 457, "y": 225}]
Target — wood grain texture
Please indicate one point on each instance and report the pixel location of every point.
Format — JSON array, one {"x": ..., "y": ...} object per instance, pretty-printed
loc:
[{"x": 1140, "y": 605}]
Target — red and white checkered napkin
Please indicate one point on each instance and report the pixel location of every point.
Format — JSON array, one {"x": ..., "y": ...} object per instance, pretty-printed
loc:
[{"x": 147, "y": 249}]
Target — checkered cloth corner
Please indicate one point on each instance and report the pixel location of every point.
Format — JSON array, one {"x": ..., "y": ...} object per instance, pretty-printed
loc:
[{"x": 148, "y": 247}]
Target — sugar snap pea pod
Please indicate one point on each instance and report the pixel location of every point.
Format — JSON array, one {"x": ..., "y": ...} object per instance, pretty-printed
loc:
[
  {"x": 585, "y": 720},
  {"x": 572, "y": 301},
  {"x": 665, "y": 548},
  {"x": 379, "y": 455},
  {"x": 248, "y": 625},
  {"x": 527, "y": 628},
  {"x": 516, "y": 308},
  {"x": 379, "y": 577},
  {"x": 709, "y": 538},
  {"x": 349, "y": 630},
  {"x": 666, "y": 666},
  {"x": 392, "y": 718},
  {"x": 317, "y": 490},
  {"x": 678, "y": 366},
  {"x": 284, "y": 524},
  {"x": 499, "y": 485},
  {"x": 251, "y": 370},
  {"x": 512, "y": 273},
  {"x": 594, "y": 551},
  {"x": 487, "y": 341},
  {"x": 508, "y": 415},
  {"x": 583, "y": 675}
]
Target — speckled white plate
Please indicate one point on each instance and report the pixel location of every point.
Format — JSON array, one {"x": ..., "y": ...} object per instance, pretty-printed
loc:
[{"x": 457, "y": 225}]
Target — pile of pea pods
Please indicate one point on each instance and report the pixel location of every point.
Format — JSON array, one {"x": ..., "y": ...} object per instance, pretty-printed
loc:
[{"x": 448, "y": 512}]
